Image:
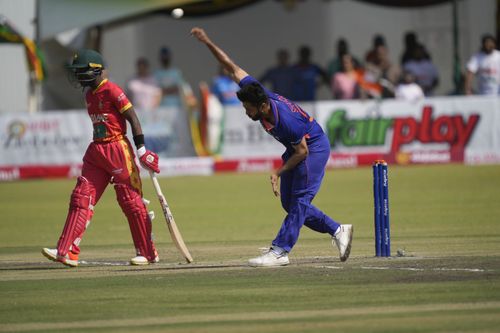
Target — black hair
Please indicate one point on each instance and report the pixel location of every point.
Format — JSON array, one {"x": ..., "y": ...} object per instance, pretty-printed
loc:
[
  {"x": 252, "y": 93},
  {"x": 378, "y": 40},
  {"x": 486, "y": 37},
  {"x": 342, "y": 47},
  {"x": 411, "y": 39},
  {"x": 305, "y": 52}
]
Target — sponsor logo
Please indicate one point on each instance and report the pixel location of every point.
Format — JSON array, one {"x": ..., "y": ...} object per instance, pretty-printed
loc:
[
  {"x": 454, "y": 130},
  {"x": 99, "y": 117},
  {"x": 344, "y": 161},
  {"x": 255, "y": 166},
  {"x": 9, "y": 174},
  {"x": 423, "y": 157},
  {"x": 483, "y": 158},
  {"x": 36, "y": 133},
  {"x": 16, "y": 129},
  {"x": 117, "y": 171},
  {"x": 187, "y": 166}
]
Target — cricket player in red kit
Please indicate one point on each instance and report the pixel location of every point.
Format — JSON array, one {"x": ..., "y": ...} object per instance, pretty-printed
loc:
[{"x": 109, "y": 159}]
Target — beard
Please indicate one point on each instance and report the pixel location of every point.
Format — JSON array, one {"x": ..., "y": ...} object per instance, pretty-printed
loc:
[{"x": 257, "y": 117}]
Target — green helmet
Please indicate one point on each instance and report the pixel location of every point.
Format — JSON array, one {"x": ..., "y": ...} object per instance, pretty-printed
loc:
[{"x": 86, "y": 67}]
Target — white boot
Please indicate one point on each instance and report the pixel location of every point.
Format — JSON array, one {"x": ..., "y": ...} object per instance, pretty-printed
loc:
[
  {"x": 140, "y": 260},
  {"x": 69, "y": 259},
  {"x": 343, "y": 240},
  {"x": 270, "y": 258}
]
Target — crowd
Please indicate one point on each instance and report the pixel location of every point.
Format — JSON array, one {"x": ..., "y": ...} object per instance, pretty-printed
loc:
[
  {"x": 348, "y": 77},
  {"x": 164, "y": 87},
  {"x": 375, "y": 76}
]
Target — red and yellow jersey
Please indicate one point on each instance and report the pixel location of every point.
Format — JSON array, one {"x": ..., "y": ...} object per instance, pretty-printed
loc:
[{"x": 105, "y": 106}]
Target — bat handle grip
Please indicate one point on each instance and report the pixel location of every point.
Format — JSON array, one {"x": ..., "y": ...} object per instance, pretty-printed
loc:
[{"x": 155, "y": 183}]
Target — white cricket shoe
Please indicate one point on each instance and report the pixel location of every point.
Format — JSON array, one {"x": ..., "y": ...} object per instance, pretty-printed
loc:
[
  {"x": 343, "y": 240},
  {"x": 270, "y": 258},
  {"x": 69, "y": 259},
  {"x": 140, "y": 260}
]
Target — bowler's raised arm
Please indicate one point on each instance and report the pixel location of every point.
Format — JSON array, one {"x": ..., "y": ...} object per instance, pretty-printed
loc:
[{"x": 235, "y": 72}]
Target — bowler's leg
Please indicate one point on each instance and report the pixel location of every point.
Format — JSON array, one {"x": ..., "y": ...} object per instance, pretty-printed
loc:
[{"x": 316, "y": 219}]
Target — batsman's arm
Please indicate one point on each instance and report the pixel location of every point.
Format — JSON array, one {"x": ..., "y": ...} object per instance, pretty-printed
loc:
[
  {"x": 235, "y": 72},
  {"x": 135, "y": 124},
  {"x": 148, "y": 159}
]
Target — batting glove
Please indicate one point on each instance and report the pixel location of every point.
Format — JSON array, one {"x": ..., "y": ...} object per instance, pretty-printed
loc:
[{"x": 148, "y": 159}]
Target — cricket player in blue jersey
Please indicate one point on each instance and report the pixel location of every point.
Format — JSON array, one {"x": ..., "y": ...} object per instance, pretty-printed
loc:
[{"x": 307, "y": 152}]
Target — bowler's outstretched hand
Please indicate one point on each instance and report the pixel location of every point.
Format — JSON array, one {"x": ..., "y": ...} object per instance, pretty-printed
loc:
[{"x": 200, "y": 34}]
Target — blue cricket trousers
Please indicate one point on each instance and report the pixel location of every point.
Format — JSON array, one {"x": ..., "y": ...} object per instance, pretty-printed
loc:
[{"x": 298, "y": 188}]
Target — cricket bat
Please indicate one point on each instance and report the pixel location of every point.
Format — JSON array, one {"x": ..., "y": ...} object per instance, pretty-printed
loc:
[{"x": 169, "y": 218}]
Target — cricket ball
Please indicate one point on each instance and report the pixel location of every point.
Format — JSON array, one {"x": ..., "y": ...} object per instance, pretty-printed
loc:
[{"x": 177, "y": 13}]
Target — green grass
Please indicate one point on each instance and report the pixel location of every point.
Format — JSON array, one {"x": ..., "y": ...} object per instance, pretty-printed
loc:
[{"x": 446, "y": 218}]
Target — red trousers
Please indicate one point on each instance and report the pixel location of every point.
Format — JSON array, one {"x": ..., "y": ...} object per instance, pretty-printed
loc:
[
  {"x": 114, "y": 161},
  {"x": 104, "y": 163}
]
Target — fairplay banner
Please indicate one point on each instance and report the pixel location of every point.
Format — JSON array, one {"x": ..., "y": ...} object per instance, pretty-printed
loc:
[{"x": 434, "y": 130}]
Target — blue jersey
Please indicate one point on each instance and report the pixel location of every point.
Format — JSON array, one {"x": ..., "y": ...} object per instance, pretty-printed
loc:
[
  {"x": 291, "y": 123},
  {"x": 304, "y": 83},
  {"x": 225, "y": 89},
  {"x": 281, "y": 79}
]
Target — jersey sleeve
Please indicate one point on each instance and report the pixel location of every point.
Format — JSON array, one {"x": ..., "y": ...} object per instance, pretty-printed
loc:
[
  {"x": 472, "y": 64},
  {"x": 119, "y": 99}
]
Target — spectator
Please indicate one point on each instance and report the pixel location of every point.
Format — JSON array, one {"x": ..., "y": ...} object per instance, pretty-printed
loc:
[
  {"x": 485, "y": 65},
  {"x": 407, "y": 89},
  {"x": 335, "y": 65},
  {"x": 176, "y": 92},
  {"x": 426, "y": 74},
  {"x": 411, "y": 43},
  {"x": 225, "y": 88},
  {"x": 280, "y": 76},
  {"x": 345, "y": 82},
  {"x": 382, "y": 71},
  {"x": 143, "y": 90},
  {"x": 307, "y": 76},
  {"x": 354, "y": 82},
  {"x": 371, "y": 55}
]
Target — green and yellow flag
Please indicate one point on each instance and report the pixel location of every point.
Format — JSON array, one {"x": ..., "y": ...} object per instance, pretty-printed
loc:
[{"x": 34, "y": 56}]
